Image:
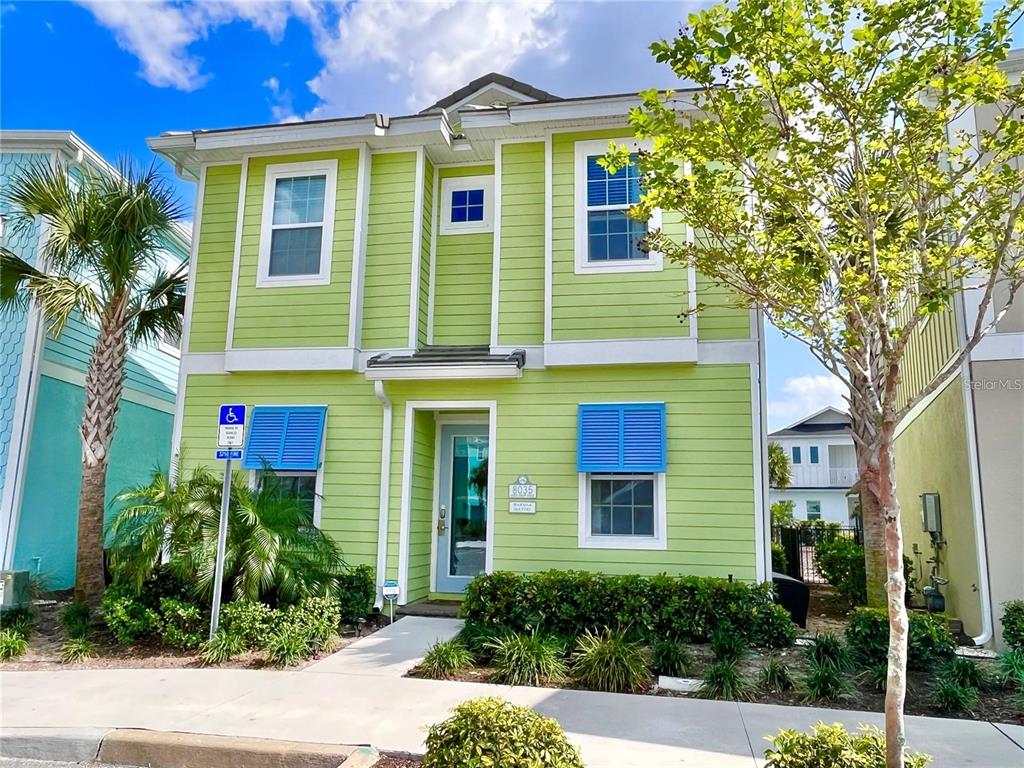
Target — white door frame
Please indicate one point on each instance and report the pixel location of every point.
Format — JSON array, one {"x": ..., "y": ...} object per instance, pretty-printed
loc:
[{"x": 411, "y": 406}]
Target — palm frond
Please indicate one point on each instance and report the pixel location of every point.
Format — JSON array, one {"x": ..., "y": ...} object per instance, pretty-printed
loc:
[
  {"x": 159, "y": 308},
  {"x": 58, "y": 296}
]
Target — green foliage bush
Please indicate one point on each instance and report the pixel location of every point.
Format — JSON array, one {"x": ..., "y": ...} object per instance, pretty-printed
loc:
[
  {"x": 841, "y": 562},
  {"x": 18, "y": 620},
  {"x": 966, "y": 672},
  {"x": 832, "y": 746},
  {"x": 74, "y": 617},
  {"x": 77, "y": 649},
  {"x": 929, "y": 643},
  {"x": 724, "y": 680},
  {"x": 318, "y": 617},
  {"x": 775, "y": 676},
  {"x": 527, "y": 659},
  {"x": 1010, "y": 668},
  {"x": 480, "y": 640},
  {"x": 727, "y": 644},
  {"x": 494, "y": 732},
  {"x": 128, "y": 616},
  {"x": 288, "y": 644},
  {"x": 685, "y": 608},
  {"x": 1013, "y": 624},
  {"x": 181, "y": 624},
  {"x": 223, "y": 647},
  {"x": 670, "y": 658},
  {"x": 780, "y": 563},
  {"x": 445, "y": 659},
  {"x": 248, "y": 622},
  {"x": 950, "y": 695},
  {"x": 356, "y": 590},
  {"x": 610, "y": 662},
  {"x": 825, "y": 681},
  {"x": 12, "y": 644}
]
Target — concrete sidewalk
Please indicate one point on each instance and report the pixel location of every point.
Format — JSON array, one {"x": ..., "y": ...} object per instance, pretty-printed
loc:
[{"x": 351, "y": 699}]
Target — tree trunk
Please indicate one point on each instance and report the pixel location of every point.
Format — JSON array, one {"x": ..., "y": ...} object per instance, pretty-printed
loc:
[
  {"x": 862, "y": 425},
  {"x": 103, "y": 384}
]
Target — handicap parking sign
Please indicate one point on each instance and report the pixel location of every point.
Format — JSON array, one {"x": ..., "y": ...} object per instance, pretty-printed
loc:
[{"x": 231, "y": 426}]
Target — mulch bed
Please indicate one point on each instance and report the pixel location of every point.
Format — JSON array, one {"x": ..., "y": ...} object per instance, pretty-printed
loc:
[
  {"x": 398, "y": 761},
  {"x": 48, "y": 636}
]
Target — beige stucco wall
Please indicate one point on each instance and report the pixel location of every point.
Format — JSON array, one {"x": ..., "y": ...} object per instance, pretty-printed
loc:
[
  {"x": 932, "y": 457},
  {"x": 998, "y": 392}
]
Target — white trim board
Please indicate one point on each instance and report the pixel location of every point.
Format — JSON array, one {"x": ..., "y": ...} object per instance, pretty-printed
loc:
[
  {"x": 621, "y": 351},
  {"x": 291, "y": 359},
  {"x": 355, "y": 307},
  {"x": 229, "y": 341},
  {"x": 496, "y": 181},
  {"x": 417, "y": 250}
]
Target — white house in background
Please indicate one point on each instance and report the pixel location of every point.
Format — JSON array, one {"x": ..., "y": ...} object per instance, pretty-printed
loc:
[{"x": 823, "y": 466}]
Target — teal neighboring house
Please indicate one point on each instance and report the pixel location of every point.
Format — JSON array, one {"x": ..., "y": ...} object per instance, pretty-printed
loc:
[{"x": 42, "y": 396}]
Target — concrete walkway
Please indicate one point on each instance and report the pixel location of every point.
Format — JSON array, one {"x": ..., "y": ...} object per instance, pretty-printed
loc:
[{"x": 357, "y": 696}]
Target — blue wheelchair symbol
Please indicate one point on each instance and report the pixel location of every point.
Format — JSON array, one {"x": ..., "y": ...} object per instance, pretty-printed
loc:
[{"x": 232, "y": 415}]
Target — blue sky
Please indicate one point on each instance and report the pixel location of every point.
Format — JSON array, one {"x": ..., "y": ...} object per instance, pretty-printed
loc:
[{"x": 119, "y": 72}]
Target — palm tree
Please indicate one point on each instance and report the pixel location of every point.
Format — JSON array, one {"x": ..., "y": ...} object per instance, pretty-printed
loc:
[{"x": 102, "y": 261}]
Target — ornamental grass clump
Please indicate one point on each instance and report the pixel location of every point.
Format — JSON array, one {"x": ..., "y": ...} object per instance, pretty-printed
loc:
[
  {"x": 12, "y": 644},
  {"x": 75, "y": 618},
  {"x": 671, "y": 658},
  {"x": 20, "y": 621},
  {"x": 609, "y": 662},
  {"x": 494, "y": 732},
  {"x": 77, "y": 649},
  {"x": 724, "y": 680},
  {"x": 950, "y": 695},
  {"x": 775, "y": 676},
  {"x": 531, "y": 659},
  {"x": 1010, "y": 668},
  {"x": 727, "y": 644},
  {"x": 966, "y": 672},
  {"x": 825, "y": 682},
  {"x": 828, "y": 650},
  {"x": 222, "y": 648},
  {"x": 446, "y": 659}
]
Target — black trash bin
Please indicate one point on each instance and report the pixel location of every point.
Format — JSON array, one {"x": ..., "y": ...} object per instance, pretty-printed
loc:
[{"x": 793, "y": 595}]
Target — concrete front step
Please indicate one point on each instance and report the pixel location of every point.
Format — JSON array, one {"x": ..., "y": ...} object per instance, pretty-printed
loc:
[{"x": 442, "y": 609}]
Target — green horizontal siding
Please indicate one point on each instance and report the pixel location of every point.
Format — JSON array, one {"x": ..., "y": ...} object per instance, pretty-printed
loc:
[
  {"x": 211, "y": 281},
  {"x": 421, "y": 513},
  {"x": 462, "y": 271},
  {"x": 268, "y": 316},
  {"x": 521, "y": 286},
  {"x": 388, "y": 272}
]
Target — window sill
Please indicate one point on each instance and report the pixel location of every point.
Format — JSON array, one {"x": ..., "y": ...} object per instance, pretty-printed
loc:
[
  {"x": 653, "y": 264},
  {"x": 622, "y": 542},
  {"x": 292, "y": 282}
]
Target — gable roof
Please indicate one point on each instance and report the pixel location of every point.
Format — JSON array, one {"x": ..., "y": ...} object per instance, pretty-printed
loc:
[
  {"x": 481, "y": 84},
  {"x": 827, "y": 420}
]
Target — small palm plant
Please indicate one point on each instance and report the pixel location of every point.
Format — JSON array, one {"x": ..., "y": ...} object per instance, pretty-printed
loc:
[{"x": 103, "y": 264}]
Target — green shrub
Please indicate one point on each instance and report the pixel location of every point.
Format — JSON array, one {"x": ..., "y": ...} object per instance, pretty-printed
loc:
[
  {"x": 319, "y": 617},
  {"x": 671, "y": 658},
  {"x": 480, "y": 640},
  {"x": 723, "y": 680},
  {"x": 494, "y": 732},
  {"x": 828, "y": 650},
  {"x": 74, "y": 617},
  {"x": 181, "y": 625},
  {"x": 950, "y": 695},
  {"x": 877, "y": 676},
  {"x": 12, "y": 644},
  {"x": 1010, "y": 668},
  {"x": 929, "y": 642},
  {"x": 77, "y": 649},
  {"x": 1013, "y": 624},
  {"x": 222, "y": 648},
  {"x": 727, "y": 644},
  {"x": 446, "y": 659},
  {"x": 610, "y": 662},
  {"x": 356, "y": 591},
  {"x": 841, "y": 562},
  {"x": 127, "y": 616},
  {"x": 832, "y": 746},
  {"x": 249, "y": 622},
  {"x": 825, "y": 681},
  {"x": 288, "y": 644},
  {"x": 686, "y": 608},
  {"x": 965, "y": 672},
  {"x": 775, "y": 676},
  {"x": 18, "y": 620},
  {"x": 780, "y": 563},
  {"x": 526, "y": 659}
]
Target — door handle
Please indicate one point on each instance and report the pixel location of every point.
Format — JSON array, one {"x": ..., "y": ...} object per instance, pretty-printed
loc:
[{"x": 441, "y": 525}]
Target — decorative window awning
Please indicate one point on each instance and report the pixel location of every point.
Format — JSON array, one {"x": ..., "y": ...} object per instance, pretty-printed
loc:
[
  {"x": 621, "y": 437},
  {"x": 285, "y": 437},
  {"x": 438, "y": 362}
]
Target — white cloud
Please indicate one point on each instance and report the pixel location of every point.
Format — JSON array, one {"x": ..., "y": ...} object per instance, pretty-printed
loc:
[
  {"x": 160, "y": 33},
  {"x": 802, "y": 396},
  {"x": 280, "y": 102},
  {"x": 431, "y": 49}
]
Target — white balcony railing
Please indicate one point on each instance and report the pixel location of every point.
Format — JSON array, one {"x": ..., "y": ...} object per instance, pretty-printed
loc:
[
  {"x": 842, "y": 476},
  {"x": 822, "y": 476}
]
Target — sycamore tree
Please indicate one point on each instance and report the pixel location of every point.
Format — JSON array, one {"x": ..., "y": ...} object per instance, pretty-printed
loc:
[{"x": 827, "y": 160}]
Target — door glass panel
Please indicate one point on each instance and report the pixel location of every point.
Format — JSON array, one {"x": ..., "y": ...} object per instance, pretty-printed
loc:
[{"x": 468, "y": 540}]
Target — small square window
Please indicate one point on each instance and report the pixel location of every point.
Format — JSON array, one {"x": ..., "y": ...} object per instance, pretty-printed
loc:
[
  {"x": 622, "y": 511},
  {"x": 466, "y": 204},
  {"x": 300, "y": 486}
]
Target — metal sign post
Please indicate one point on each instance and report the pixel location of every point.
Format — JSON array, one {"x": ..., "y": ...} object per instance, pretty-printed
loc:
[{"x": 230, "y": 433}]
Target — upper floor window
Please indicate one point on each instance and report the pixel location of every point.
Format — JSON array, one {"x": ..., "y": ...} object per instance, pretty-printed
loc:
[
  {"x": 796, "y": 454},
  {"x": 814, "y": 454},
  {"x": 298, "y": 224},
  {"x": 467, "y": 204},
  {"x": 607, "y": 239}
]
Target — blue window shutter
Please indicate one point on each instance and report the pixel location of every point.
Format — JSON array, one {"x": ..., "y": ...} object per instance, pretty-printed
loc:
[
  {"x": 621, "y": 437},
  {"x": 285, "y": 438}
]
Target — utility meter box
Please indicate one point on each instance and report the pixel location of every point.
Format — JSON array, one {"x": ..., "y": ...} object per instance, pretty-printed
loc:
[
  {"x": 13, "y": 590},
  {"x": 931, "y": 514}
]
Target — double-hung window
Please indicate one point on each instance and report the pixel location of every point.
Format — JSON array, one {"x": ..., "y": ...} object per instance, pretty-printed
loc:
[
  {"x": 298, "y": 223},
  {"x": 621, "y": 463},
  {"x": 283, "y": 448},
  {"x": 607, "y": 238}
]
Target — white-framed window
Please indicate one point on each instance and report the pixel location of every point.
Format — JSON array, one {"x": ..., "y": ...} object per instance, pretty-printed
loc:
[
  {"x": 607, "y": 239},
  {"x": 169, "y": 343},
  {"x": 467, "y": 204},
  {"x": 297, "y": 227},
  {"x": 813, "y": 510},
  {"x": 622, "y": 510},
  {"x": 301, "y": 485}
]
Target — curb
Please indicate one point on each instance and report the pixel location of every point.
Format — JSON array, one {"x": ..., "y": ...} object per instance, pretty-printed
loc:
[{"x": 66, "y": 745}]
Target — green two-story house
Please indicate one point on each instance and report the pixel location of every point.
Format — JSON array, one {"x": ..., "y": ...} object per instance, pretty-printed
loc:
[{"x": 452, "y": 347}]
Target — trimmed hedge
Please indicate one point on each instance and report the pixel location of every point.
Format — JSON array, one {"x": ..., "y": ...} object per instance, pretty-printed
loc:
[
  {"x": 1013, "y": 624},
  {"x": 928, "y": 643},
  {"x": 683, "y": 608}
]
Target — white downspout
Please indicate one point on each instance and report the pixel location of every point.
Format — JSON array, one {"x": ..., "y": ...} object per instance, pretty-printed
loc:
[{"x": 385, "y": 486}]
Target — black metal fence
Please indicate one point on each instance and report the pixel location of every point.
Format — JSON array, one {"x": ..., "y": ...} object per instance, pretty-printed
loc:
[{"x": 800, "y": 543}]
